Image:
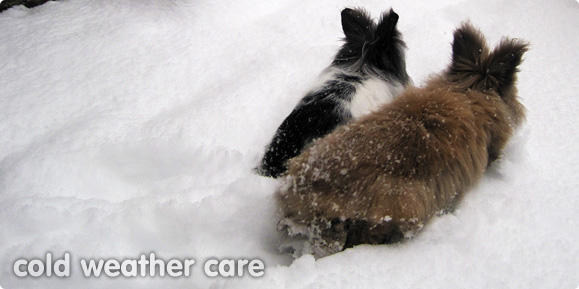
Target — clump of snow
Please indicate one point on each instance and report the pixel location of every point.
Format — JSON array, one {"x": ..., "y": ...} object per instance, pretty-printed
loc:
[{"x": 131, "y": 127}]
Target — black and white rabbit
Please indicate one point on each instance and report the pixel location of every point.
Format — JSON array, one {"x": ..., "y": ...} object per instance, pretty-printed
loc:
[{"x": 368, "y": 70}]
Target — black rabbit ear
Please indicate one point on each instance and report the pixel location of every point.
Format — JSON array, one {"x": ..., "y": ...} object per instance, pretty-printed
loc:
[
  {"x": 387, "y": 25},
  {"x": 357, "y": 25}
]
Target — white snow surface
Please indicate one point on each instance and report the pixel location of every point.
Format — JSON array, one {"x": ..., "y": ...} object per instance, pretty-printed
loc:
[{"x": 129, "y": 127}]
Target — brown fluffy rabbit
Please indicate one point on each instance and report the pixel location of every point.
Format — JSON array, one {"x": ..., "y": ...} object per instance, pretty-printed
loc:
[{"x": 381, "y": 178}]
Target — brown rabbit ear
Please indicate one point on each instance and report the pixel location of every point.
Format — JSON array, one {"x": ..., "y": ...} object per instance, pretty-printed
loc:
[
  {"x": 502, "y": 63},
  {"x": 468, "y": 49},
  {"x": 473, "y": 67}
]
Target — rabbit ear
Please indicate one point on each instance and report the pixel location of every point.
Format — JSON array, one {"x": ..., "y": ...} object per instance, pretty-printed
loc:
[
  {"x": 475, "y": 68},
  {"x": 502, "y": 63},
  {"x": 357, "y": 25},
  {"x": 387, "y": 51},
  {"x": 386, "y": 28},
  {"x": 468, "y": 49}
]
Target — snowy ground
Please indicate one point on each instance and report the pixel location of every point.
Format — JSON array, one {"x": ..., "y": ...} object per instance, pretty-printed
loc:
[{"x": 131, "y": 127}]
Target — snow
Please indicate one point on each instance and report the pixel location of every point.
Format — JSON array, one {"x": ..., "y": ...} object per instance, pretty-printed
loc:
[{"x": 131, "y": 127}]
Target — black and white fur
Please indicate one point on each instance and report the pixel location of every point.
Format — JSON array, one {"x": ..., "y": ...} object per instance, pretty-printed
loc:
[{"x": 369, "y": 70}]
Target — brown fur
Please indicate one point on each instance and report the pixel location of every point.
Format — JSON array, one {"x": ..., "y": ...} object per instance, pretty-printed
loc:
[{"x": 384, "y": 176}]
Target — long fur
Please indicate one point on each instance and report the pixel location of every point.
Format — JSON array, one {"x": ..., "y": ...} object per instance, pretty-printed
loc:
[
  {"x": 379, "y": 179},
  {"x": 368, "y": 70}
]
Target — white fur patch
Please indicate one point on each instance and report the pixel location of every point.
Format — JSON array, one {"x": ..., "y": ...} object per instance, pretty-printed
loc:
[
  {"x": 322, "y": 79},
  {"x": 371, "y": 94}
]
